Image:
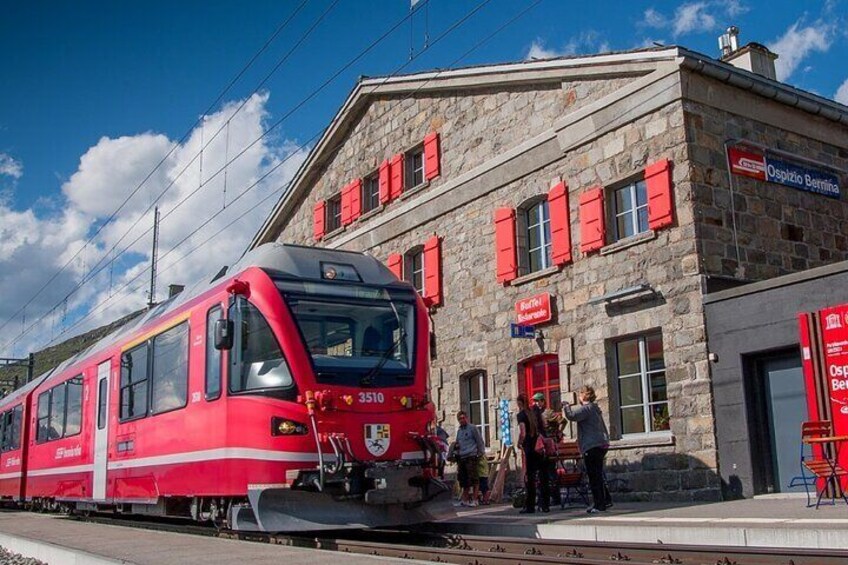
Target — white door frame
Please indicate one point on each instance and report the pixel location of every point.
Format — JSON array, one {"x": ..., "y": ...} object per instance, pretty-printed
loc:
[{"x": 101, "y": 436}]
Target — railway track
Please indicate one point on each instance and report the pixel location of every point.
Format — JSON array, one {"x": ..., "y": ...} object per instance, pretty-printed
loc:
[{"x": 489, "y": 550}]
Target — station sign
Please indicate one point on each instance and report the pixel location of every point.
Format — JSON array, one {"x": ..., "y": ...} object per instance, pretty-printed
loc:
[
  {"x": 756, "y": 165},
  {"x": 533, "y": 310}
]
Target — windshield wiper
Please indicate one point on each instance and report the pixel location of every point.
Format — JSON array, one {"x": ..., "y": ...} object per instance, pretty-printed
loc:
[{"x": 367, "y": 379}]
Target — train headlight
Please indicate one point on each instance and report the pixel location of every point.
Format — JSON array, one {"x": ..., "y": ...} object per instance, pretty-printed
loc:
[{"x": 286, "y": 427}]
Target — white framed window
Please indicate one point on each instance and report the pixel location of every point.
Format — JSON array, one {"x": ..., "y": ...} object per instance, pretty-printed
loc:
[
  {"x": 414, "y": 268},
  {"x": 641, "y": 384},
  {"x": 537, "y": 231},
  {"x": 629, "y": 210},
  {"x": 333, "y": 213},
  {"x": 475, "y": 393},
  {"x": 414, "y": 167},
  {"x": 370, "y": 193}
]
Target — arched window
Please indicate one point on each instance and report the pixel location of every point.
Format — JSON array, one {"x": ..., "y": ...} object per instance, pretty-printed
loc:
[
  {"x": 534, "y": 235},
  {"x": 413, "y": 268},
  {"x": 541, "y": 374},
  {"x": 474, "y": 395}
]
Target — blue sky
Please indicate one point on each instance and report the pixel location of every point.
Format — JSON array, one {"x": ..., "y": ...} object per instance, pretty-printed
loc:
[{"x": 95, "y": 94}]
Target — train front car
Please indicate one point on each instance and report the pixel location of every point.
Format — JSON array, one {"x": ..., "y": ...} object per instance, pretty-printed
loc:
[{"x": 356, "y": 349}]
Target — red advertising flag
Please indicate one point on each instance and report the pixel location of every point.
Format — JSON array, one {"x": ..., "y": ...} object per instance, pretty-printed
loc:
[
  {"x": 747, "y": 163},
  {"x": 834, "y": 332}
]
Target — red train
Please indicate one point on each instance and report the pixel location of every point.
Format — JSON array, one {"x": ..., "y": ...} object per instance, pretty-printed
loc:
[{"x": 288, "y": 394}]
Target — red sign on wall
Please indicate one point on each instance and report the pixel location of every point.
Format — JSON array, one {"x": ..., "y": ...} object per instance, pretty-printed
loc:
[
  {"x": 533, "y": 310},
  {"x": 747, "y": 163}
]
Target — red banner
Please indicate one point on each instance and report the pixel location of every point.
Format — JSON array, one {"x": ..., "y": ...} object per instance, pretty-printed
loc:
[
  {"x": 533, "y": 310},
  {"x": 747, "y": 163}
]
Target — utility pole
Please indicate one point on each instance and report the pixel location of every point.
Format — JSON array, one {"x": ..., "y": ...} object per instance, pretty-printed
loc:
[{"x": 151, "y": 299}]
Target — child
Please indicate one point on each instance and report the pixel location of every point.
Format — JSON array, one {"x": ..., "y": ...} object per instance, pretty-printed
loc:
[{"x": 483, "y": 473}]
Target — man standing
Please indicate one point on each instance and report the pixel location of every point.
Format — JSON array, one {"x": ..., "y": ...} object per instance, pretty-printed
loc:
[{"x": 469, "y": 448}]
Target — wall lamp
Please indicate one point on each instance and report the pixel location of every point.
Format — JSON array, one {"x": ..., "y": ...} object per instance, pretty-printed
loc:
[{"x": 623, "y": 293}]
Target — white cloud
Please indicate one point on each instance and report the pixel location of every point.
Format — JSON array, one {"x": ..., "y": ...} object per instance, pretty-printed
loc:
[
  {"x": 33, "y": 247},
  {"x": 538, "y": 51},
  {"x": 841, "y": 95},
  {"x": 693, "y": 17},
  {"x": 10, "y": 166},
  {"x": 798, "y": 42},
  {"x": 585, "y": 43}
]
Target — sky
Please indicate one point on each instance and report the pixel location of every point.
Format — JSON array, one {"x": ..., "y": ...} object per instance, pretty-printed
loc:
[{"x": 206, "y": 109}]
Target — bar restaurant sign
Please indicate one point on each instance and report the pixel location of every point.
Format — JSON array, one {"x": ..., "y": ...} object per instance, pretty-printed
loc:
[
  {"x": 533, "y": 310},
  {"x": 751, "y": 163}
]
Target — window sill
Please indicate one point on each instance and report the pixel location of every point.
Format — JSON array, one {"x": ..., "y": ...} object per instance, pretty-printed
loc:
[
  {"x": 371, "y": 213},
  {"x": 411, "y": 191},
  {"x": 333, "y": 233},
  {"x": 629, "y": 242},
  {"x": 657, "y": 439},
  {"x": 534, "y": 276}
]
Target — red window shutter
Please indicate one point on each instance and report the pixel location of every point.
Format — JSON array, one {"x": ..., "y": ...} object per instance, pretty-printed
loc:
[
  {"x": 395, "y": 264},
  {"x": 431, "y": 156},
  {"x": 433, "y": 271},
  {"x": 355, "y": 199},
  {"x": 505, "y": 244},
  {"x": 346, "y": 216},
  {"x": 385, "y": 182},
  {"x": 318, "y": 219},
  {"x": 658, "y": 183},
  {"x": 396, "y": 173},
  {"x": 560, "y": 225},
  {"x": 592, "y": 235}
]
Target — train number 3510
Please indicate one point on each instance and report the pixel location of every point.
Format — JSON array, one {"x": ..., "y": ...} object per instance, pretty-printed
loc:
[{"x": 371, "y": 397}]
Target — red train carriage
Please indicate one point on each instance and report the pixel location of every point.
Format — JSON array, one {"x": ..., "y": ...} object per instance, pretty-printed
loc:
[{"x": 288, "y": 395}]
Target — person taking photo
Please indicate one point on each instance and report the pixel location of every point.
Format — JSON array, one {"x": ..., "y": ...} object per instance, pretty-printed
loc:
[{"x": 593, "y": 440}]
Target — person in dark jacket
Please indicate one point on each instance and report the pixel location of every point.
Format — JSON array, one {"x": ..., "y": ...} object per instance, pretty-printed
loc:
[
  {"x": 530, "y": 427},
  {"x": 593, "y": 440}
]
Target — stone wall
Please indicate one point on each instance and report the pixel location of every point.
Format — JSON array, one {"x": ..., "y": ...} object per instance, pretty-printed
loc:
[
  {"x": 779, "y": 229},
  {"x": 472, "y": 327}
]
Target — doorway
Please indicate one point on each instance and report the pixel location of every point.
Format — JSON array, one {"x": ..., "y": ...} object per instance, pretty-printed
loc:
[{"x": 776, "y": 407}]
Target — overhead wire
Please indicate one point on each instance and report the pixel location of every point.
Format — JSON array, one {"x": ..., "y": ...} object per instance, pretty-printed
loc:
[
  {"x": 282, "y": 188},
  {"x": 97, "y": 269},
  {"x": 185, "y": 136}
]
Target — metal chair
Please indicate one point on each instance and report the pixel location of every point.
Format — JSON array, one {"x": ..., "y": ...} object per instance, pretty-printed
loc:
[
  {"x": 570, "y": 475},
  {"x": 820, "y": 461}
]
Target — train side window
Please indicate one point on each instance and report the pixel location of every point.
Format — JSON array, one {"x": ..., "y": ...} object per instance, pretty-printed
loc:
[
  {"x": 103, "y": 388},
  {"x": 169, "y": 377},
  {"x": 43, "y": 422},
  {"x": 5, "y": 428},
  {"x": 17, "y": 417},
  {"x": 134, "y": 383},
  {"x": 213, "y": 356},
  {"x": 73, "y": 420},
  {"x": 56, "y": 428},
  {"x": 256, "y": 360}
]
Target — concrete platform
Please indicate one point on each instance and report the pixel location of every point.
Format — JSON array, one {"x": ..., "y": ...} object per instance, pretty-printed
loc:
[
  {"x": 59, "y": 541},
  {"x": 778, "y": 521}
]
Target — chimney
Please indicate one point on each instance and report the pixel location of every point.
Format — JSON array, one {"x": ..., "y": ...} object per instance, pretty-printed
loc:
[
  {"x": 175, "y": 289},
  {"x": 753, "y": 57}
]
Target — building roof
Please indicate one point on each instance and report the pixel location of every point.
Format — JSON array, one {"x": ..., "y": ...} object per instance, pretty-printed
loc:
[{"x": 634, "y": 63}]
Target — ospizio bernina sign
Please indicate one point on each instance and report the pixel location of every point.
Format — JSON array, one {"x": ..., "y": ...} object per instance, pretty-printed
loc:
[
  {"x": 767, "y": 168},
  {"x": 533, "y": 310}
]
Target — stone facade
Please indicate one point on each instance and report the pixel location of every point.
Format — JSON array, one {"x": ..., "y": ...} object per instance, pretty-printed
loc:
[{"x": 504, "y": 142}]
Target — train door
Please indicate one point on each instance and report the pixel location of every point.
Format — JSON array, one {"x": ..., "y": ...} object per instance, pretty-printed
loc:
[{"x": 101, "y": 430}]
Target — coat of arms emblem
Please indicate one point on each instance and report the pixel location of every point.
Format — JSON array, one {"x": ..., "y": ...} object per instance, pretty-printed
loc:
[{"x": 377, "y": 438}]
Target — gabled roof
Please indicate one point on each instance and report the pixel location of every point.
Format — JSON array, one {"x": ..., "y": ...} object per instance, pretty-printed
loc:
[{"x": 607, "y": 65}]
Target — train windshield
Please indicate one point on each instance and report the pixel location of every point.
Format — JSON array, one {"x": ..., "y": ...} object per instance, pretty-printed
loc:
[{"x": 355, "y": 335}]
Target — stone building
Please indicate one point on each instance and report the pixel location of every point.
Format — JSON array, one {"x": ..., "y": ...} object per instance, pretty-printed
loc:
[{"x": 599, "y": 184}]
